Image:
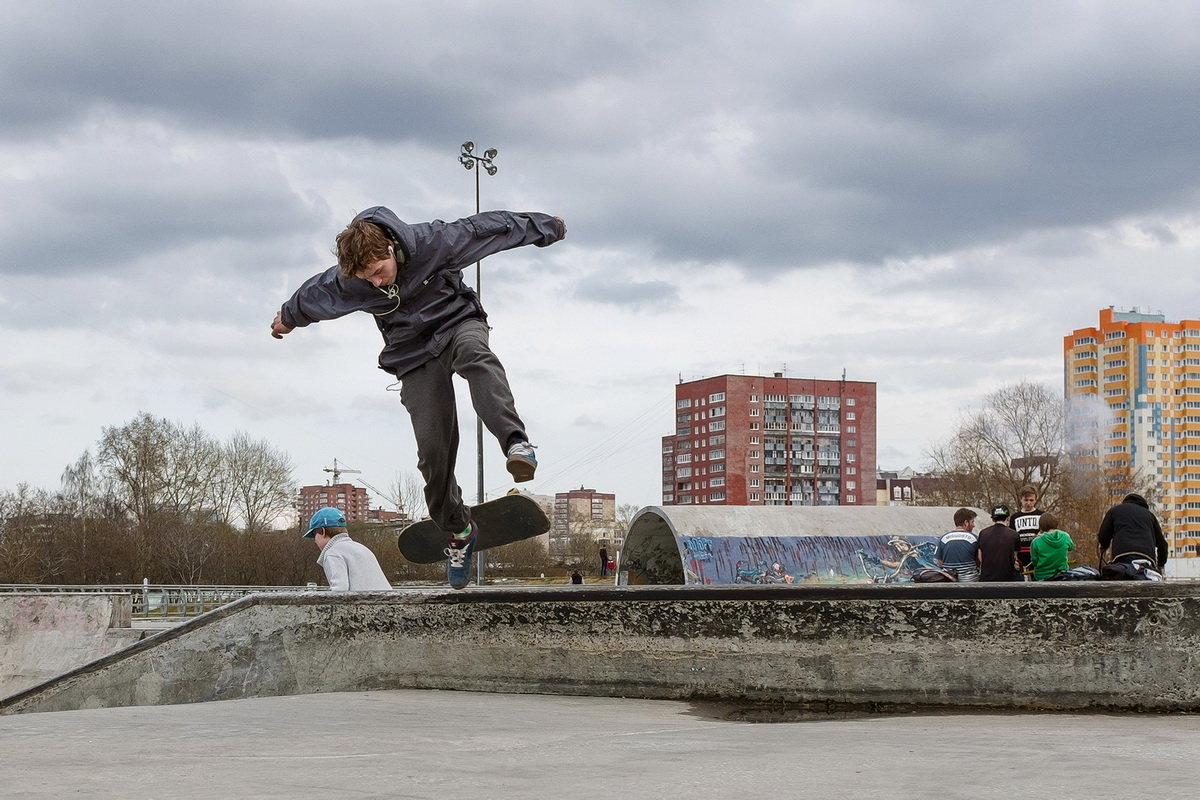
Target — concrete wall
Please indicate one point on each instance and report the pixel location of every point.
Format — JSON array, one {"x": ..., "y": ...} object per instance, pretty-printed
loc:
[
  {"x": 1132, "y": 645},
  {"x": 45, "y": 635}
]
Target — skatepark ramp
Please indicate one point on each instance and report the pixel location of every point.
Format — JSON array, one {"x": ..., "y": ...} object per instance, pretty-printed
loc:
[
  {"x": 722, "y": 545},
  {"x": 1060, "y": 646}
]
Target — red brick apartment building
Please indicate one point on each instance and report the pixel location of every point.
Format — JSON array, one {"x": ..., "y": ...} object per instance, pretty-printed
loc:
[
  {"x": 350, "y": 499},
  {"x": 749, "y": 440}
]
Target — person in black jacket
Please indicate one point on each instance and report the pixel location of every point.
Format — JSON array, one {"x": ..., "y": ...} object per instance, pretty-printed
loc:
[
  {"x": 409, "y": 278},
  {"x": 1129, "y": 532}
]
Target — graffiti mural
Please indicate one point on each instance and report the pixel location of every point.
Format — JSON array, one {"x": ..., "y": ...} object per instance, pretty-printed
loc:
[{"x": 804, "y": 559}]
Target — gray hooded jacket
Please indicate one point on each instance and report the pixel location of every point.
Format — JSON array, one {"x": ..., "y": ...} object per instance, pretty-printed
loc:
[{"x": 429, "y": 300}]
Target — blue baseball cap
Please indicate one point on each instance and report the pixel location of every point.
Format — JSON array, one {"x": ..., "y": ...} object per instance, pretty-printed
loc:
[{"x": 325, "y": 518}]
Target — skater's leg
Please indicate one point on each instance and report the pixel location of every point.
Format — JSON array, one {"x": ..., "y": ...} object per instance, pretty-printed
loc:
[
  {"x": 428, "y": 394},
  {"x": 473, "y": 359}
]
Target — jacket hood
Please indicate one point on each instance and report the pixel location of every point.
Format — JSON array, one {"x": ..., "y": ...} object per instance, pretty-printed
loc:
[
  {"x": 1136, "y": 499},
  {"x": 397, "y": 229},
  {"x": 1056, "y": 536}
]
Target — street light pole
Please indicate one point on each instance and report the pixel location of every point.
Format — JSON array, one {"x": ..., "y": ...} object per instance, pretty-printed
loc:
[{"x": 470, "y": 160}]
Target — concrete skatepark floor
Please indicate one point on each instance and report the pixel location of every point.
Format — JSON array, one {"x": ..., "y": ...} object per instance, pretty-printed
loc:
[{"x": 398, "y": 744}]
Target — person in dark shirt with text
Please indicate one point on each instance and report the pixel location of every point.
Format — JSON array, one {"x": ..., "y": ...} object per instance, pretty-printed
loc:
[{"x": 1025, "y": 523}]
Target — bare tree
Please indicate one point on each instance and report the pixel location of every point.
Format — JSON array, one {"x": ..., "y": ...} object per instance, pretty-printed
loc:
[
  {"x": 625, "y": 514},
  {"x": 151, "y": 465},
  {"x": 1015, "y": 439},
  {"x": 257, "y": 482},
  {"x": 580, "y": 548},
  {"x": 409, "y": 491}
]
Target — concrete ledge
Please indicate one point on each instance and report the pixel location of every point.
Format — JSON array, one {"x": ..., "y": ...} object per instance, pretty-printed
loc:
[
  {"x": 46, "y": 634},
  {"x": 1059, "y": 646}
]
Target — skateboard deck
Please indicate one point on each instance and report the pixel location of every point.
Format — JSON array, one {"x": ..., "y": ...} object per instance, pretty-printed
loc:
[{"x": 502, "y": 521}]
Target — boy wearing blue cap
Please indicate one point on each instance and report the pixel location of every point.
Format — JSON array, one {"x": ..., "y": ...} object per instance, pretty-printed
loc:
[{"x": 349, "y": 566}]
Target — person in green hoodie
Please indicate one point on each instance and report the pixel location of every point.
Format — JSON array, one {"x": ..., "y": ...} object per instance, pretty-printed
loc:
[{"x": 1048, "y": 552}]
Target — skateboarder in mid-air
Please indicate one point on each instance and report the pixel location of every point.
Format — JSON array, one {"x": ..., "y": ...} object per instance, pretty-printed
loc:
[{"x": 409, "y": 277}]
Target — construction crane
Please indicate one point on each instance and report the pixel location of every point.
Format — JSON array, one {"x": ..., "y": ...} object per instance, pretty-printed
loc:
[
  {"x": 337, "y": 474},
  {"x": 337, "y": 471},
  {"x": 393, "y": 500}
]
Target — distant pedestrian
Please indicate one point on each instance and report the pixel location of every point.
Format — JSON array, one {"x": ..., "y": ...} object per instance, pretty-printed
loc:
[
  {"x": 1048, "y": 551},
  {"x": 1025, "y": 523},
  {"x": 603, "y": 562},
  {"x": 576, "y": 577},
  {"x": 349, "y": 566},
  {"x": 958, "y": 550},
  {"x": 998, "y": 546},
  {"x": 1129, "y": 531}
]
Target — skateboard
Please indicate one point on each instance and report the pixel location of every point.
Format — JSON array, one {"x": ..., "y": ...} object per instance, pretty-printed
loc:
[{"x": 502, "y": 521}]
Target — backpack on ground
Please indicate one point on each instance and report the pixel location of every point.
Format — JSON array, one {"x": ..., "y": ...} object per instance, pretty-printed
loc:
[{"x": 933, "y": 576}]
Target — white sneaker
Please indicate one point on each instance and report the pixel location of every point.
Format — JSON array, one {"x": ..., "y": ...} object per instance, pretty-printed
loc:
[{"x": 522, "y": 462}]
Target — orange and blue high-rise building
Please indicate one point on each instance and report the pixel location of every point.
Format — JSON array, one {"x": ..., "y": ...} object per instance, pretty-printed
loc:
[{"x": 1133, "y": 409}]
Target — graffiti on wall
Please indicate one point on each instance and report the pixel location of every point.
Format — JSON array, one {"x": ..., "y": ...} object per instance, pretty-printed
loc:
[{"x": 805, "y": 559}]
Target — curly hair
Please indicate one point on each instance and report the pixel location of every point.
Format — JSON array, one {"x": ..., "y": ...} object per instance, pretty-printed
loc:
[{"x": 361, "y": 244}]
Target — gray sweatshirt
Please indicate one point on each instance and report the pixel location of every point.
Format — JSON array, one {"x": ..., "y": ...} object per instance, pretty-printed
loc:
[{"x": 351, "y": 567}]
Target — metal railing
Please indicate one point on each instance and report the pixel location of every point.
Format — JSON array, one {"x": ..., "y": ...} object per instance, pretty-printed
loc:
[{"x": 163, "y": 600}]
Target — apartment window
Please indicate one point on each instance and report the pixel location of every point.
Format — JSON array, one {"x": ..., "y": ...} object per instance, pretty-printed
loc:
[
  {"x": 755, "y": 468},
  {"x": 850, "y": 401},
  {"x": 717, "y": 426},
  {"x": 719, "y": 411},
  {"x": 717, "y": 397},
  {"x": 850, "y": 415},
  {"x": 683, "y": 404},
  {"x": 754, "y": 496},
  {"x": 851, "y": 499},
  {"x": 754, "y": 483},
  {"x": 756, "y": 412}
]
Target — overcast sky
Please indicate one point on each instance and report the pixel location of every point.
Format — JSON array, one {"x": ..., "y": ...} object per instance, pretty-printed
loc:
[{"x": 925, "y": 195}]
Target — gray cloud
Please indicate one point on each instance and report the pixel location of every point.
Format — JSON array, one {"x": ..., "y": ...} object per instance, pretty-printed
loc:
[
  {"x": 794, "y": 137},
  {"x": 631, "y": 295}
]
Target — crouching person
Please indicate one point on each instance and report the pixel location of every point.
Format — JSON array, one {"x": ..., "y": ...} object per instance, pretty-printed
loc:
[{"x": 349, "y": 566}]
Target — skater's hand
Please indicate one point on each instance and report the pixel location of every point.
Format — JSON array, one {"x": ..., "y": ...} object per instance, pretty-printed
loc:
[
  {"x": 564, "y": 227},
  {"x": 278, "y": 329}
]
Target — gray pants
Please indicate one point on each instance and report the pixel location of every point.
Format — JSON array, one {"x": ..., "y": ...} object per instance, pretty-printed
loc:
[{"x": 427, "y": 392}]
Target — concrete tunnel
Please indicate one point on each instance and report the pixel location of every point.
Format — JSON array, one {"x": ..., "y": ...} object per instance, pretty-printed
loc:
[{"x": 725, "y": 545}]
